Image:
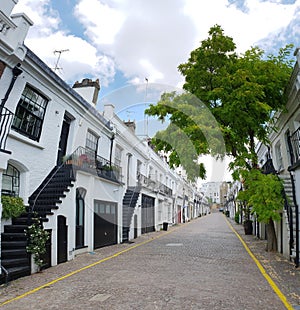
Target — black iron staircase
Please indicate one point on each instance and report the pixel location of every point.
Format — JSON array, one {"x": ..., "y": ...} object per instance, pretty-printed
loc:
[
  {"x": 15, "y": 261},
  {"x": 129, "y": 203},
  {"x": 290, "y": 213}
]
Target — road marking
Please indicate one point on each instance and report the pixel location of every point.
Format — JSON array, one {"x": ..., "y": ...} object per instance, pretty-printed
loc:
[
  {"x": 46, "y": 285},
  {"x": 262, "y": 270}
]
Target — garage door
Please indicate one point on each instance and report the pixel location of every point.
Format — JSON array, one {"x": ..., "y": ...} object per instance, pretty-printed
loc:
[
  {"x": 105, "y": 224},
  {"x": 147, "y": 214}
]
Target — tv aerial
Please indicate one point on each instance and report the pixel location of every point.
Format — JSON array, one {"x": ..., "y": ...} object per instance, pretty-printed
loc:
[{"x": 59, "y": 52}]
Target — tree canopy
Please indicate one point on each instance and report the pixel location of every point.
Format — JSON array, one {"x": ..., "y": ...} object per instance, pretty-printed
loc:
[{"x": 228, "y": 103}]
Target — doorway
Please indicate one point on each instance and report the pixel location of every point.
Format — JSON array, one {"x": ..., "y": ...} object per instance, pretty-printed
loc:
[
  {"x": 80, "y": 210},
  {"x": 62, "y": 146},
  {"x": 62, "y": 239}
]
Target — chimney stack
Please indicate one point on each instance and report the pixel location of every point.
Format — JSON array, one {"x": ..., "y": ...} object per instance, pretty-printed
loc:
[
  {"x": 88, "y": 89},
  {"x": 130, "y": 125}
]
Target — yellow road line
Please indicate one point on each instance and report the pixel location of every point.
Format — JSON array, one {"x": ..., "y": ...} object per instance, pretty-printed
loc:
[
  {"x": 84, "y": 268},
  {"x": 263, "y": 271}
]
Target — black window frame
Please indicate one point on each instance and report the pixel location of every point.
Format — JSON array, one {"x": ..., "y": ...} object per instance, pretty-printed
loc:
[
  {"x": 14, "y": 180},
  {"x": 30, "y": 113}
]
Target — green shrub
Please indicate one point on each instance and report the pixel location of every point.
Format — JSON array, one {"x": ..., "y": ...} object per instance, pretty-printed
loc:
[
  {"x": 12, "y": 207},
  {"x": 237, "y": 217}
]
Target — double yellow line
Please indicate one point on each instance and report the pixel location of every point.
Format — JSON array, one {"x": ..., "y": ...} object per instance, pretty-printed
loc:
[{"x": 263, "y": 271}]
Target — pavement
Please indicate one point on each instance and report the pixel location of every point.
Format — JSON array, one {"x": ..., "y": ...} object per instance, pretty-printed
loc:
[
  {"x": 197, "y": 265},
  {"x": 279, "y": 268}
]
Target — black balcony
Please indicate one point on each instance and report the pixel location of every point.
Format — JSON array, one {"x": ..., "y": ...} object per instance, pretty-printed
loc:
[
  {"x": 86, "y": 160},
  {"x": 268, "y": 167},
  {"x": 6, "y": 117}
]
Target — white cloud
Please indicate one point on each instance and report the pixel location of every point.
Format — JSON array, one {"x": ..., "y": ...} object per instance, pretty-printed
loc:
[
  {"x": 146, "y": 38},
  {"x": 102, "y": 21}
]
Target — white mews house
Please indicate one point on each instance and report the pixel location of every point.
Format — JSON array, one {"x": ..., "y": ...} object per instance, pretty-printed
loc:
[
  {"x": 85, "y": 174},
  {"x": 282, "y": 157}
]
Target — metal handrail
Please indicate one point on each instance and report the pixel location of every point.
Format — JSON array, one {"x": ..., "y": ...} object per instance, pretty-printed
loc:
[{"x": 6, "y": 118}]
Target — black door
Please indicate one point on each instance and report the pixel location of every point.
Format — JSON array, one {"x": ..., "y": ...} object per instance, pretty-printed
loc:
[
  {"x": 147, "y": 214},
  {"x": 135, "y": 226},
  {"x": 79, "y": 220},
  {"x": 62, "y": 239},
  {"x": 62, "y": 147},
  {"x": 105, "y": 224}
]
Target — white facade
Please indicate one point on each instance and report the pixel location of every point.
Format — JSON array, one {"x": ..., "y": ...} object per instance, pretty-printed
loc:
[
  {"x": 282, "y": 157},
  {"x": 211, "y": 190},
  {"x": 74, "y": 165}
]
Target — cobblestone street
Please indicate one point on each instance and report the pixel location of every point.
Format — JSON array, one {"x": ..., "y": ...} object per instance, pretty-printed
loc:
[{"x": 198, "y": 265}]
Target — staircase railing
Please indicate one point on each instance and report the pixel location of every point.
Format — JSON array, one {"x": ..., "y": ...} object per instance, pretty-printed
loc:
[
  {"x": 86, "y": 160},
  {"x": 6, "y": 117}
]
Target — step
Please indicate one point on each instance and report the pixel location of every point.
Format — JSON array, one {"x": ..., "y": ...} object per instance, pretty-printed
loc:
[
  {"x": 15, "y": 228},
  {"x": 45, "y": 201},
  {"x": 15, "y": 262},
  {"x": 13, "y": 253},
  {"x": 13, "y": 236},
  {"x": 21, "y": 221},
  {"x": 18, "y": 272},
  {"x": 13, "y": 244}
]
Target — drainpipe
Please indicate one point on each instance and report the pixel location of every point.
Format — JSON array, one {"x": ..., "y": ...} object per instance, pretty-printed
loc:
[
  {"x": 16, "y": 72},
  {"x": 111, "y": 148},
  {"x": 297, "y": 221}
]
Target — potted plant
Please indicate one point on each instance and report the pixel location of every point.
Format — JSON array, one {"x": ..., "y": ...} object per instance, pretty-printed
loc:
[
  {"x": 37, "y": 238},
  {"x": 12, "y": 207}
]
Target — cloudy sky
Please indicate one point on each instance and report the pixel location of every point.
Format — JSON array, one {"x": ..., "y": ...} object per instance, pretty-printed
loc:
[{"x": 123, "y": 41}]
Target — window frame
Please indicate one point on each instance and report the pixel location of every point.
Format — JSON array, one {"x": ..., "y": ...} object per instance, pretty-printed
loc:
[
  {"x": 31, "y": 106},
  {"x": 15, "y": 179}
]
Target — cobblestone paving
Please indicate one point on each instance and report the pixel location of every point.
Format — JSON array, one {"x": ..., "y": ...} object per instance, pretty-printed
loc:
[{"x": 198, "y": 265}]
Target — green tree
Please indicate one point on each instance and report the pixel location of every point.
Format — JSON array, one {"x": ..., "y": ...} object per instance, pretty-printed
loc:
[
  {"x": 241, "y": 92},
  {"x": 263, "y": 194}
]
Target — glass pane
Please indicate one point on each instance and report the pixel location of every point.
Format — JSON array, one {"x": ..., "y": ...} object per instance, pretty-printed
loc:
[{"x": 102, "y": 208}]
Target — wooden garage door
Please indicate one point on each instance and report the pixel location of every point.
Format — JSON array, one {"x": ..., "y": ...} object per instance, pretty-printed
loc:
[{"x": 105, "y": 224}]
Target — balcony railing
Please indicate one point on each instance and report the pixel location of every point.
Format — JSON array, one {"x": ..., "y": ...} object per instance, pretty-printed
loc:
[
  {"x": 86, "y": 160},
  {"x": 165, "y": 189},
  {"x": 155, "y": 185},
  {"x": 6, "y": 117},
  {"x": 268, "y": 167},
  {"x": 145, "y": 181},
  {"x": 295, "y": 145}
]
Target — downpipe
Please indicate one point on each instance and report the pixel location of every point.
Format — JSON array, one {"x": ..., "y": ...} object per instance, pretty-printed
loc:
[{"x": 296, "y": 260}]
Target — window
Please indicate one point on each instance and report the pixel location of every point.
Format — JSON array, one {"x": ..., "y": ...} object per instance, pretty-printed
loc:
[
  {"x": 91, "y": 142},
  {"x": 118, "y": 156},
  {"x": 11, "y": 181},
  {"x": 30, "y": 114}
]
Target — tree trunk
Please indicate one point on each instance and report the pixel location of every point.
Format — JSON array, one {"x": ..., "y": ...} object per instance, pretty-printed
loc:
[{"x": 271, "y": 237}]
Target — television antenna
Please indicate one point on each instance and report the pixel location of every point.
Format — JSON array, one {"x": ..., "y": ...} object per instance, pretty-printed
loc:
[{"x": 59, "y": 52}]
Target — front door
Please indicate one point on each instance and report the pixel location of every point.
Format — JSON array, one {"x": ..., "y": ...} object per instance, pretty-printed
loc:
[
  {"x": 62, "y": 239},
  {"x": 62, "y": 147},
  {"x": 79, "y": 220}
]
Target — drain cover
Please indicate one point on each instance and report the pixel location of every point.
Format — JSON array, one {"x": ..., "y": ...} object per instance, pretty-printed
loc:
[
  {"x": 100, "y": 297},
  {"x": 174, "y": 244}
]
